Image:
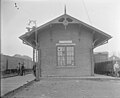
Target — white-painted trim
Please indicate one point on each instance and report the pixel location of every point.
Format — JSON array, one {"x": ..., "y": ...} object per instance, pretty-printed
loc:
[
  {"x": 65, "y": 44},
  {"x": 65, "y": 41}
]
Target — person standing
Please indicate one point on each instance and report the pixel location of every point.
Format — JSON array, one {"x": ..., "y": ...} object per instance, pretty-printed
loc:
[
  {"x": 22, "y": 70},
  {"x": 34, "y": 70},
  {"x": 18, "y": 68},
  {"x": 116, "y": 68}
]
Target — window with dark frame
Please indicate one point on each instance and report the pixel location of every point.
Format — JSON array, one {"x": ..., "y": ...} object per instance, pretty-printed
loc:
[{"x": 65, "y": 55}]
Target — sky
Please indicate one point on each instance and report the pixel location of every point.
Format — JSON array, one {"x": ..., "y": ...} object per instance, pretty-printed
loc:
[{"x": 101, "y": 14}]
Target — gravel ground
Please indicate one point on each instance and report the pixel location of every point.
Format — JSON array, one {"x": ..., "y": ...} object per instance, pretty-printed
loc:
[{"x": 60, "y": 88}]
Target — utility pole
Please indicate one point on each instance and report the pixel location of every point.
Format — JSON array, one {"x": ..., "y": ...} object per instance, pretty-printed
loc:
[{"x": 35, "y": 49}]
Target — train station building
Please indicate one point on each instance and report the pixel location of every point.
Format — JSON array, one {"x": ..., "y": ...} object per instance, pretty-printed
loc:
[{"x": 64, "y": 47}]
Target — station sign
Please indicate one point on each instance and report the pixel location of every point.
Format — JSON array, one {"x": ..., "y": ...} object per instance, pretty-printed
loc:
[{"x": 66, "y": 41}]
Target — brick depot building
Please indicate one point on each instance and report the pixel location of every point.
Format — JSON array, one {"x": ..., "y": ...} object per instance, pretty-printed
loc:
[{"x": 65, "y": 47}]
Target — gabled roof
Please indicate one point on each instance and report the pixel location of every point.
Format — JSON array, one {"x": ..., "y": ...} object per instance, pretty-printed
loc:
[{"x": 99, "y": 36}]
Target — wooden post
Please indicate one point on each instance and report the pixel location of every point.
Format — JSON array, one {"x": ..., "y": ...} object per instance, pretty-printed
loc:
[
  {"x": 92, "y": 62},
  {"x": 37, "y": 49},
  {"x": 37, "y": 67},
  {"x": 33, "y": 56},
  {"x": 92, "y": 54},
  {"x": 39, "y": 62}
]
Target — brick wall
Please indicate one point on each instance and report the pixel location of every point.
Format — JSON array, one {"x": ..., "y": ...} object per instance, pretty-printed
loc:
[{"x": 52, "y": 35}]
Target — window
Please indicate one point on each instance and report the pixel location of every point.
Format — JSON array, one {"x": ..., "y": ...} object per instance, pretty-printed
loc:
[
  {"x": 65, "y": 55},
  {"x": 65, "y": 19},
  {"x": 70, "y": 55},
  {"x": 69, "y": 20},
  {"x": 61, "y": 56},
  {"x": 61, "y": 20}
]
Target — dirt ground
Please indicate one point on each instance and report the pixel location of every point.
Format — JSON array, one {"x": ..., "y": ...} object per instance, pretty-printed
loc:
[
  {"x": 9, "y": 84},
  {"x": 65, "y": 88}
]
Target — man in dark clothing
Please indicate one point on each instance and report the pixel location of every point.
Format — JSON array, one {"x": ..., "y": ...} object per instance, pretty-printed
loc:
[
  {"x": 34, "y": 70},
  {"x": 22, "y": 70},
  {"x": 18, "y": 68}
]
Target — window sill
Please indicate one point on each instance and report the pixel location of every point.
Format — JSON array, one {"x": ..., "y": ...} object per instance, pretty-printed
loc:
[{"x": 66, "y": 66}]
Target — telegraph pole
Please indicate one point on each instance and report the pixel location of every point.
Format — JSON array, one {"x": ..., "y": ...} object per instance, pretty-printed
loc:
[{"x": 35, "y": 50}]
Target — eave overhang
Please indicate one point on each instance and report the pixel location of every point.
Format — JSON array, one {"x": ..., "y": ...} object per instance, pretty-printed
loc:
[{"x": 99, "y": 37}]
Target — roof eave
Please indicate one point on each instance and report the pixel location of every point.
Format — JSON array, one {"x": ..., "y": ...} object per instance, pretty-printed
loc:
[
  {"x": 103, "y": 42},
  {"x": 25, "y": 41},
  {"x": 76, "y": 20}
]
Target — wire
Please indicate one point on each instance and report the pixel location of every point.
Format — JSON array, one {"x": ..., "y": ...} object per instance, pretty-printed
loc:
[
  {"x": 86, "y": 12},
  {"x": 22, "y": 10},
  {"x": 15, "y": 4}
]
